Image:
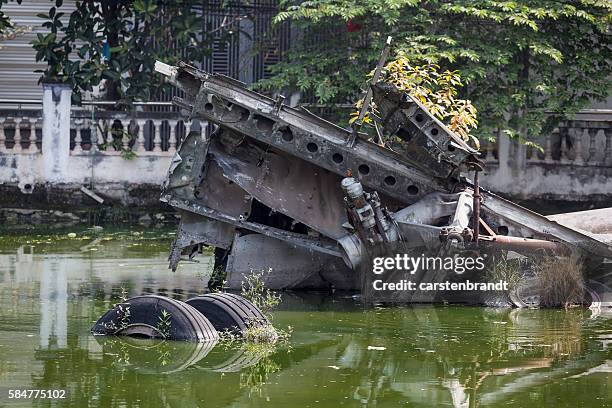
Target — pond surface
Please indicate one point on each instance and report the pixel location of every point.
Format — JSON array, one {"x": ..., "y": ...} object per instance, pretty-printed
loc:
[{"x": 54, "y": 287}]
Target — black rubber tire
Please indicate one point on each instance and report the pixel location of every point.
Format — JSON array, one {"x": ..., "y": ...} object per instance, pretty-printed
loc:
[
  {"x": 228, "y": 312},
  {"x": 186, "y": 323}
]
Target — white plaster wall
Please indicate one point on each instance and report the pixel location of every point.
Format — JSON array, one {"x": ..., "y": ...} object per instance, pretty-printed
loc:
[
  {"x": 541, "y": 180},
  {"x": 20, "y": 169},
  {"x": 30, "y": 168}
]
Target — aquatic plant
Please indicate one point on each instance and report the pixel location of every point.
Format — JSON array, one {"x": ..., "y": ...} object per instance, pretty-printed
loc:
[
  {"x": 164, "y": 324},
  {"x": 258, "y": 333},
  {"x": 124, "y": 315},
  {"x": 510, "y": 270},
  {"x": 254, "y": 289},
  {"x": 124, "y": 294},
  {"x": 255, "y": 335}
]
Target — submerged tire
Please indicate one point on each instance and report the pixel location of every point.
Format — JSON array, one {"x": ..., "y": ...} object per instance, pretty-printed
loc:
[
  {"x": 142, "y": 316},
  {"x": 228, "y": 312}
]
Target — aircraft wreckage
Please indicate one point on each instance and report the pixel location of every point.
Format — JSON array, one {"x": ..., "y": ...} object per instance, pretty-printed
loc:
[{"x": 276, "y": 187}]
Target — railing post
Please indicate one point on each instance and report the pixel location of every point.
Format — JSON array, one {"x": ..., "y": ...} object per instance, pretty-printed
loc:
[
  {"x": 2, "y": 136},
  {"x": 93, "y": 132},
  {"x": 563, "y": 147},
  {"x": 140, "y": 142},
  {"x": 157, "y": 137},
  {"x": 600, "y": 147},
  {"x": 592, "y": 148},
  {"x": 56, "y": 131},
  {"x": 125, "y": 137},
  {"x": 17, "y": 138},
  {"x": 519, "y": 157},
  {"x": 172, "y": 138},
  {"x": 78, "y": 137},
  {"x": 32, "y": 145}
]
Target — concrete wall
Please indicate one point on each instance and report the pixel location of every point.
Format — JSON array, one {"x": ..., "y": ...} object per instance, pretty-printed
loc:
[
  {"x": 47, "y": 156},
  {"x": 578, "y": 171},
  {"x": 97, "y": 170}
]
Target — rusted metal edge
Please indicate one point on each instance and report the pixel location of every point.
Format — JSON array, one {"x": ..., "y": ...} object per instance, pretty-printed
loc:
[{"x": 291, "y": 237}]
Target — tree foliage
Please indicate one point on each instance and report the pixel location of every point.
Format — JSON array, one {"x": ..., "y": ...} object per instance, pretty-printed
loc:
[
  {"x": 437, "y": 90},
  {"x": 113, "y": 44},
  {"x": 521, "y": 60},
  {"x": 5, "y": 21},
  {"x": 8, "y": 30}
]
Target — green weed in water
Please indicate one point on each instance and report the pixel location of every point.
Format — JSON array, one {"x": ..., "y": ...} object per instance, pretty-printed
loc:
[
  {"x": 164, "y": 324},
  {"x": 254, "y": 289}
]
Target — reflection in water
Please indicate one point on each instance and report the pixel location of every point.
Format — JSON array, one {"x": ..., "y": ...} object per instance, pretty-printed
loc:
[
  {"x": 234, "y": 360},
  {"x": 149, "y": 356},
  {"x": 423, "y": 356},
  {"x": 54, "y": 304}
]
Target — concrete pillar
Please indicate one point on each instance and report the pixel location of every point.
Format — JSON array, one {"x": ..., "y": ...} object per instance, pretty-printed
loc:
[
  {"x": 56, "y": 131},
  {"x": 503, "y": 151},
  {"x": 519, "y": 159}
]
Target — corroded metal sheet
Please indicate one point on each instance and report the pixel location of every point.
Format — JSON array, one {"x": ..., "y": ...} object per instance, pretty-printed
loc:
[
  {"x": 286, "y": 266},
  {"x": 288, "y": 185}
]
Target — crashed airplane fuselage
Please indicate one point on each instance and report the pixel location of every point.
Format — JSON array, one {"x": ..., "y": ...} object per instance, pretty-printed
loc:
[{"x": 275, "y": 187}]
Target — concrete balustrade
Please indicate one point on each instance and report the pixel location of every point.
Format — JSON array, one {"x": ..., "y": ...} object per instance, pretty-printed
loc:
[
  {"x": 574, "y": 165},
  {"x": 67, "y": 147},
  {"x": 103, "y": 147},
  {"x": 143, "y": 133},
  {"x": 154, "y": 135}
]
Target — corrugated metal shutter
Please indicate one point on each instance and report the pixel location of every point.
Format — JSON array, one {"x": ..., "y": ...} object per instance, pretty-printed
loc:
[
  {"x": 17, "y": 57},
  {"x": 225, "y": 48}
]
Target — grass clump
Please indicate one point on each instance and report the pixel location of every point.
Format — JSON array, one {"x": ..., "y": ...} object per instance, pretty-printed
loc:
[
  {"x": 556, "y": 281},
  {"x": 511, "y": 270},
  {"x": 560, "y": 281}
]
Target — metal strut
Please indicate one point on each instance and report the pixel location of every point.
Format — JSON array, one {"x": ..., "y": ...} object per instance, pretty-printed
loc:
[
  {"x": 476, "y": 210},
  {"x": 367, "y": 99}
]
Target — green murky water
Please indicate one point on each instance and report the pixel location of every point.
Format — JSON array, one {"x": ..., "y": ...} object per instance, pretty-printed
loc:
[{"x": 52, "y": 289}]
